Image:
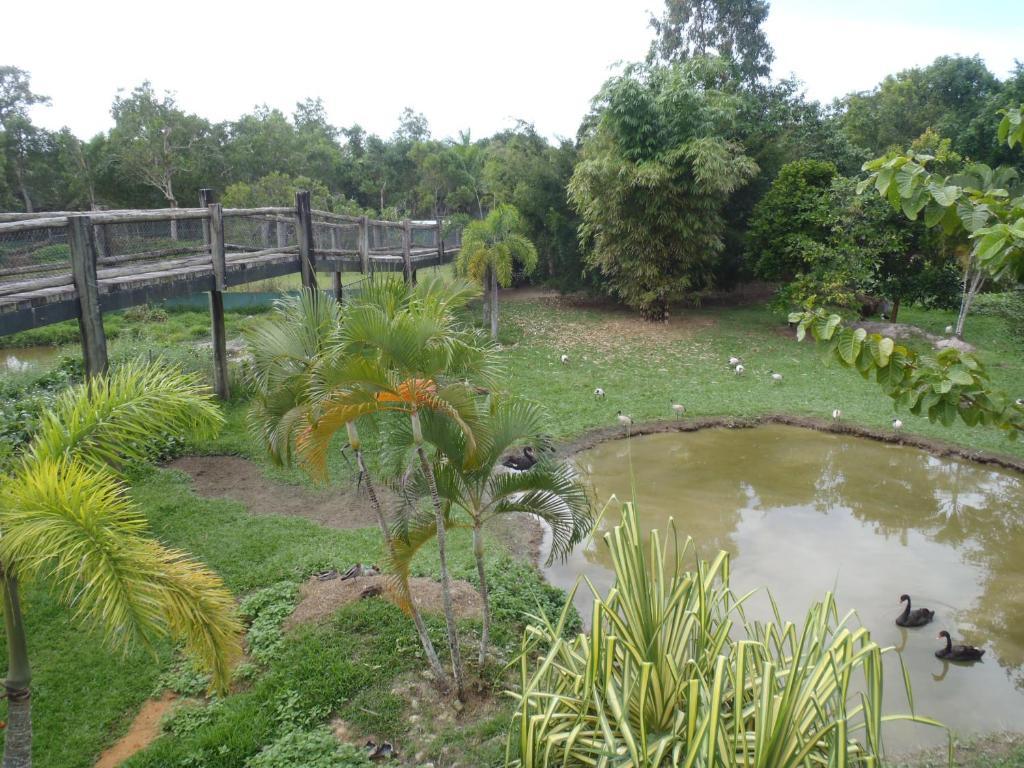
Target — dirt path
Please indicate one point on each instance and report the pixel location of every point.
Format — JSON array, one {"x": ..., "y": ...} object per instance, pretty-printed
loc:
[
  {"x": 239, "y": 479},
  {"x": 143, "y": 731},
  {"x": 242, "y": 480}
]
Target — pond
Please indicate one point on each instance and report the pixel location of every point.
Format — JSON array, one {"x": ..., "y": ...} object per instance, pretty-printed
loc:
[
  {"x": 20, "y": 359},
  {"x": 804, "y": 512}
]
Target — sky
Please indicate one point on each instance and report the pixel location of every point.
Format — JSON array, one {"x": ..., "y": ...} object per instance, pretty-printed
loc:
[{"x": 476, "y": 65}]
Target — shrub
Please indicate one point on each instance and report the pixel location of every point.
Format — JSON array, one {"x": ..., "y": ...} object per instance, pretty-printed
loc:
[
  {"x": 265, "y": 610},
  {"x": 671, "y": 673},
  {"x": 316, "y": 748},
  {"x": 1009, "y": 306}
]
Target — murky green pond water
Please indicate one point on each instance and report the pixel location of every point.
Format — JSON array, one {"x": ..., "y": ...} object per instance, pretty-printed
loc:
[
  {"x": 803, "y": 512},
  {"x": 18, "y": 359}
]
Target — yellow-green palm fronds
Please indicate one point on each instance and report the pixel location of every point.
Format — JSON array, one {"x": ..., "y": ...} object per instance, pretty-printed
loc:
[
  {"x": 114, "y": 419},
  {"x": 72, "y": 525}
]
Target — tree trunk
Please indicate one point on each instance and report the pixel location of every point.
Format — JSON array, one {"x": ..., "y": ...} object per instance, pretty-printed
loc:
[
  {"x": 973, "y": 280},
  {"x": 478, "y": 552},
  {"x": 403, "y": 582},
  {"x": 895, "y": 309},
  {"x": 18, "y": 743},
  {"x": 26, "y": 199},
  {"x": 442, "y": 552},
  {"x": 494, "y": 304},
  {"x": 174, "y": 222}
]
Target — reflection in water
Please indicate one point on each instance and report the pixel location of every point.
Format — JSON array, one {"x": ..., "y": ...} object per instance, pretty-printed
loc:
[
  {"x": 26, "y": 358},
  {"x": 804, "y": 512}
]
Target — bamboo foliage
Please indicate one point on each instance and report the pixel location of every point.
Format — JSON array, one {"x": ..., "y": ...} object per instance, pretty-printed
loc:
[{"x": 672, "y": 674}]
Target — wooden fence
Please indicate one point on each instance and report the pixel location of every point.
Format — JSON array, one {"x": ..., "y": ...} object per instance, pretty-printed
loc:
[{"x": 64, "y": 265}]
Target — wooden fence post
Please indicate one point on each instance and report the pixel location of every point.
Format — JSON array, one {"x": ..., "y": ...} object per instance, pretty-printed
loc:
[
  {"x": 408, "y": 273},
  {"x": 440, "y": 244},
  {"x": 364, "y": 244},
  {"x": 213, "y": 236},
  {"x": 83, "y": 270},
  {"x": 336, "y": 275},
  {"x": 304, "y": 233}
]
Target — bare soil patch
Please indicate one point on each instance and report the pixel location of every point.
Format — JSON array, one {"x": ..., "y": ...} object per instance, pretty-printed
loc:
[
  {"x": 237, "y": 478},
  {"x": 143, "y": 731},
  {"x": 319, "y": 600},
  {"x": 938, "y": 448}
]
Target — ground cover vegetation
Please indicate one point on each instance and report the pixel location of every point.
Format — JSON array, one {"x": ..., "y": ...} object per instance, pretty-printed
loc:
[{"x": 692, "y": 171}]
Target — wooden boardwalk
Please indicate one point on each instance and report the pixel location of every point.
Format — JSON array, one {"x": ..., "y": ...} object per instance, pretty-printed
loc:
[{"x": 67, "y": 265}]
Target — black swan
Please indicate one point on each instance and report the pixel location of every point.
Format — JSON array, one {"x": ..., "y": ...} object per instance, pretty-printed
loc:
[
  {"x": 917, "y": 618},
  {"x": 520, "y": 463},
  {"x": 958, "y": 652}
]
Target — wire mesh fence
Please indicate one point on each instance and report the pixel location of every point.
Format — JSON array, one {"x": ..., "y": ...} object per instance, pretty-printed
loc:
[
  {"x": 33, "y": 251},
  {"x": 258, "y": 232}
]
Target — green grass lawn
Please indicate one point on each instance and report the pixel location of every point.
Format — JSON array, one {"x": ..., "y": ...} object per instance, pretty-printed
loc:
[{"x": 356, "y": 666}]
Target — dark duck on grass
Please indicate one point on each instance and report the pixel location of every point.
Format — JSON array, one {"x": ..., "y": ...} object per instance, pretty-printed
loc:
[
  {"x": 958, "y": 652},
  {"x": 520, "y": 462},
  {"x": 910, "y": 618}
]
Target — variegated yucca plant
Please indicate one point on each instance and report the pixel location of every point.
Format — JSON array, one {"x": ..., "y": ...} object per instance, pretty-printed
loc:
[{"x": 673, "y": 674}]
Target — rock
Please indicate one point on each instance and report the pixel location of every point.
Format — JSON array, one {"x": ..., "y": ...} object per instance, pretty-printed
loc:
[{"x": 954, "y": 343}]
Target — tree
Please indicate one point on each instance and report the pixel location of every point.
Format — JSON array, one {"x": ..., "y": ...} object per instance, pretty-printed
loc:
[
  {"x": 949, "y": 385},
  {"x": 727, "y": 28},
  {"x": 523, "y": 170},
  {"x": 980, "y": 203},
  {"x": 474, "y": 483},
  {"x": 20, "y": 137},
  {"x": 68, "y": 521},
  {"x": 946, "y": 96},
  {"x": 405, "y": 353},
  {"x": 158, "y": 144},
  {"x": 654, "y": 175},
  {"x": 302, "y": 336},
  {"x": 490, "y": 249}
]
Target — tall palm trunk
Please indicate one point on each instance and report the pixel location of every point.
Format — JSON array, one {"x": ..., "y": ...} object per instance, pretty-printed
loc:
[
  {"x": 18, "y": 743},
  {"x": 478, "y": 553},
  {"x": 442, "y": 552},
  {"x": 403, "y": 581},
  {"x": 494, "y": 304}
]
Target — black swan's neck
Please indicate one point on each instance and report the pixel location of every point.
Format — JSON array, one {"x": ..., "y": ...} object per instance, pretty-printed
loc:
[
  {"x": 949, "y": 644},
  {"x": 906, "y": 611}
]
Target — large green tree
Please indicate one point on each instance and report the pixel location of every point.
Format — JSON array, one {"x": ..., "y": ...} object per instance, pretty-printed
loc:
[
  {"x": 162, "y": 147},
  {"x": 727, "y": 28},
  {"x": 656, "y": 170}
]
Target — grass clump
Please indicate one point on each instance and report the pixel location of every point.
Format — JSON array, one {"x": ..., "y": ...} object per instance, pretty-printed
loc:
[{"x": 266, "y": 610}]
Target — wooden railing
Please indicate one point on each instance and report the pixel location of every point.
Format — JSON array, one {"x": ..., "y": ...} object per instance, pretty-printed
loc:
[{"x": 62, "y": 265}]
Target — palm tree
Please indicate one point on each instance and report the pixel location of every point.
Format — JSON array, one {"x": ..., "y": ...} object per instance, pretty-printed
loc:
[
  {"x": 406, "y": 353},
  {"x": 66, "y": 519},
  {"x": 476, "y": 484},
  {"x": 303, "y": 336},
  {"x": 489, "y": 250}
]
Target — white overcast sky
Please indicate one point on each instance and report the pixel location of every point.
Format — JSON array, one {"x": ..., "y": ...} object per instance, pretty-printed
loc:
[{"x": 476, "y": 64}]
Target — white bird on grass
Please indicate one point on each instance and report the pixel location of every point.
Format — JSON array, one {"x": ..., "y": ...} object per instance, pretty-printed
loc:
[
  {"x": 734, "y": 361},
  {"x": 1019, "y": 402},
  {"x": 624, "y": 420},
  {"x": 776, "y": 377},
  {"x": 565, "y": 359},
  {"x": 739, "y": 369},
  {"x": 678, "y": 409},
  {"x": 949, "y": 330},
  {"x": 897, "y": 424},
  {"x": 836, "y": 414},
  {"x": 599, "y": 393}
]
